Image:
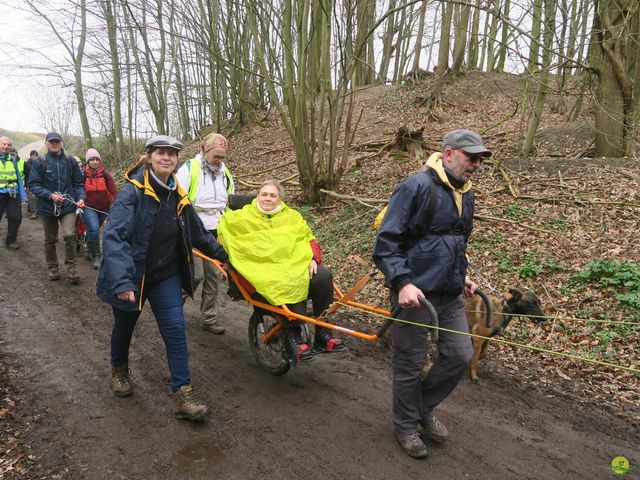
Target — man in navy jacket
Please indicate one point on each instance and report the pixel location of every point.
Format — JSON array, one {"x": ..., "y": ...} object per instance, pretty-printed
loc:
[
  {"x": 423, "y": 254},
  {"x": 57, "y": 182}
]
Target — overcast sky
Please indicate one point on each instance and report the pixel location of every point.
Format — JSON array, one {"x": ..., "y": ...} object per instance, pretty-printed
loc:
[{"x": 17, "y": 90}]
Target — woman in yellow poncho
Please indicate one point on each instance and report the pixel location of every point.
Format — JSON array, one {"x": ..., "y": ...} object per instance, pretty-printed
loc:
[{"x": 273, "y": 248}]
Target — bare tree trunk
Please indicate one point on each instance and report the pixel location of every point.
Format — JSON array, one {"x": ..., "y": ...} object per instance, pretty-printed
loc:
[
  {"x": 461, "y": 29},
  {"x": 472, "y": 56},
  {"x": 502, "y": 49},
  {"x": 387, "y": 44},
  {"x": 109, "y": 11},
  {"x": 538, "y": 107},
  {"x": 419, "y": 37},
  {"x": 536, "y": 29},
  {"x": 614, "y": 37}
]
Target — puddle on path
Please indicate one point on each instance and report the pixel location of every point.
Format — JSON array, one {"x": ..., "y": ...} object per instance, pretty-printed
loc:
[{"x": 196, "y": 458}]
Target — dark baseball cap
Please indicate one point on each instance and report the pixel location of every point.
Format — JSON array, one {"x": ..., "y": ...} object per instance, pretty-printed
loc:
[
  {"x": 470, "y": 142},
  {"x": 163, "y": 141},
  {"x": 53, "y": 136}
]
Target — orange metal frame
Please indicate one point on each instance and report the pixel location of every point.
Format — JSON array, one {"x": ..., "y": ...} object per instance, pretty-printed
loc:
[{"x": 339, "y": 299}]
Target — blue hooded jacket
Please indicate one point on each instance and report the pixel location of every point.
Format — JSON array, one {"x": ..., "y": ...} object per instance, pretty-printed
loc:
[
  {"x": 432, "y": 258},
  {"x": 56, "y": 177},
  {"x": 127, "y": 235}
]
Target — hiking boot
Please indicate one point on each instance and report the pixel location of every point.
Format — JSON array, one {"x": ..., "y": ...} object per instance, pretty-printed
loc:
[
  {"x": 33, "y": 216},
  {"x": 294, "y": 347},
  {"x": 73, "y": 279},
  {"x": 412, "y": 445},
  {"x": 434, "y": 430},
  {"x": 187, "y": 405},
  {"x": 120, "y": 381},
  {"x": 53, "y": 276},
  {"x": 213, "y": 328},
  {"x": 13, "y": 246},
  {"x": 325, "y": 342}
]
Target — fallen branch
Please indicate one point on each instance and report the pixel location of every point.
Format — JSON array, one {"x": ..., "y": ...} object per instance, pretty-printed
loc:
[
  {"x": 363, "y": 201},
  {"x": 581, "y": 153},
  {"x": 375, "y": 154},
  {"x": 520, "y": 224},
  {"x": 507, "y": 181},
  {"x": 577, "y": 201},
  {"x": 253, "y": 174}
]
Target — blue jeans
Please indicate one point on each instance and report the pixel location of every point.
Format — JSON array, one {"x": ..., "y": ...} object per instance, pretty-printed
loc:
[
  {"x": 165, "y": 298},
  {"x": 93, "y": 220}
]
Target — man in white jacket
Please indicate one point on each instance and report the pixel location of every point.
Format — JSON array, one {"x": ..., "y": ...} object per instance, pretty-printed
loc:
[{"x": 209, "y": 185}]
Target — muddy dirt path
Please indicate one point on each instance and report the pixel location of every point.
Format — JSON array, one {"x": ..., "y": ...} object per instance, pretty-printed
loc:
[{"x": 327, "y": 419}]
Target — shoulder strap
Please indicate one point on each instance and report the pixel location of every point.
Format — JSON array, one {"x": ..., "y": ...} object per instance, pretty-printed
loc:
[
  {"x": 43, "y": 165},
  {"x": 227, "y": 175},
  {"x": 433, "y": 203}
]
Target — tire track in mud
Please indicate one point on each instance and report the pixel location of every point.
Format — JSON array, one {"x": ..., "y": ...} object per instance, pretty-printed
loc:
[{"x": 327, "y": 419}]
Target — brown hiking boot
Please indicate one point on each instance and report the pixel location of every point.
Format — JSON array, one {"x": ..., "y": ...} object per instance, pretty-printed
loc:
[
  {"x": 73, "y": 279},
  {"x": 187, "y": 405},
  {"x": 120, "y": 381},
  {"x": 434, "y": 430},
  {"x": 412, "y": 445},
  {"x": 213, "y": 328}
]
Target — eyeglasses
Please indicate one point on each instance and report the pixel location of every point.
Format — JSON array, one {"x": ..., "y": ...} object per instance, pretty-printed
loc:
[
  {"x": 472, "y": 157},
  {"x": 54, "y": 142}
]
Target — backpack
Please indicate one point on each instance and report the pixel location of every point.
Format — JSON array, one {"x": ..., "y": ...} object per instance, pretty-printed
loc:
[
  {"x": 44, "y": 160},
  {"x": 431, "y": 206}
]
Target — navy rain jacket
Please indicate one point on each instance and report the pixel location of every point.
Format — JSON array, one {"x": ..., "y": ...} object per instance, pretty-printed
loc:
[
  {"x": 430, "y": 257},
  {"x": 56, "y": 177},
  {"x": 127, "y": 235}
]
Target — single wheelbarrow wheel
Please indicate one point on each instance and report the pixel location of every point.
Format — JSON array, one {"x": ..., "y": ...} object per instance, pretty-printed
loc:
[{"x": 268, "y": 355}]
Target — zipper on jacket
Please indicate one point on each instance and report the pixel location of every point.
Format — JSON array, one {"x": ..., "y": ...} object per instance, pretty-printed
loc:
[{"x": 141, "y": 290}]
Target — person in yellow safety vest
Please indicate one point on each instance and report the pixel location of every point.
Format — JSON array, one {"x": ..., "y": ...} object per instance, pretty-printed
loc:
[
  {"x": 12, "y": 191},
  {"x": 209, "y": 183}
]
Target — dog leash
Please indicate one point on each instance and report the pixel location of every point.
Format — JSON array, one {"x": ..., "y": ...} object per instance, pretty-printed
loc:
[
  {"x": 514, "y": 344},
  {"x": 485, "y": 281}
]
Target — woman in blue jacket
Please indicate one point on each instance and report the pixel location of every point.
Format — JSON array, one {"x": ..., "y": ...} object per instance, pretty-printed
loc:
[{"x": 147, "y": 255}]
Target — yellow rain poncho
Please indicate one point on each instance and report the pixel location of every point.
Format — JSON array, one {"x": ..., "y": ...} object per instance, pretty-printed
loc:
[{"x": 270, "y": 251}]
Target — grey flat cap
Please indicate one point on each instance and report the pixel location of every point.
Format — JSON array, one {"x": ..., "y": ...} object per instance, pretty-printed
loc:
[{"x": 470, "y": 142}]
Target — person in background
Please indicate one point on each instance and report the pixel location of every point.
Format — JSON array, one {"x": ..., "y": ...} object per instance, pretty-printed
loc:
[
  {"x": 429, "y": 261},
  {"x": 12, "y": 190},
  {"x": 209, "y": 183},
  {"x": 32, "y": 204},
  {"x": 57, "y": 182},
  {"x": 147, "y": 256},
  {"x": 101, "y": 192}
]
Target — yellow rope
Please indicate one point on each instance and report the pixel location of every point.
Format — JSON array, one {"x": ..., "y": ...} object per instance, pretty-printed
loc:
[
  {"x": 513, "y": 344},
  {"x": 572, "y": 319}
]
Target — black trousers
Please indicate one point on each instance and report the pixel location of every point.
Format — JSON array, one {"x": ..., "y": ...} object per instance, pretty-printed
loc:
[
  {"x": 13, "y": 208},
  {"x": 320, "y": 293}
]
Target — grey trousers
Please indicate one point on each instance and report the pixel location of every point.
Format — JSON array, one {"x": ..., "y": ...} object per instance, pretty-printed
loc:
[
  {"x": 206, "y": 273},
  {"x": 414, "y": 395}
]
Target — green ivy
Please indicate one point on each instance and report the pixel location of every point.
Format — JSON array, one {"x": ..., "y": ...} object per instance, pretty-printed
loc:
[{"x": 622, "y": 278}]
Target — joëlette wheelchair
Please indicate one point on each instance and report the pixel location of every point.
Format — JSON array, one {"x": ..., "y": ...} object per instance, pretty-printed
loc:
[{"x": 266, "y": 325}]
